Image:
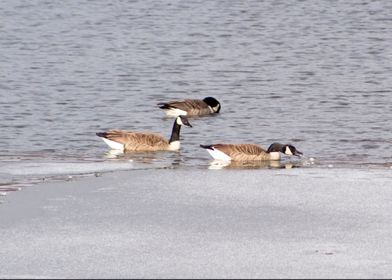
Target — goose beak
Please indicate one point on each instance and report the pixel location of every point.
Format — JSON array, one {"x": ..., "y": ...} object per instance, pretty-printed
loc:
[
  {"x": 298, "y": 153},
  {"x": 184, "y": 121},
  {"x": 187, "y": 123}
]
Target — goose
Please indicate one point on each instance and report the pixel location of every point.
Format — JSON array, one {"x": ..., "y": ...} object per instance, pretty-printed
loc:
[
  {"x": 127, "y": 141},
  {"x": 191, "y": 107},
  {"x": 248, "y": 152}
]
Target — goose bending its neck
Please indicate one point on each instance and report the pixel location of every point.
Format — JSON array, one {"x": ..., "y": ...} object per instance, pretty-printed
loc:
[
  {"x": 191, "y": 107},
  {"x": 248, "y": 152},
  {"x": 144, "y": 141},
  {"x": 174, "y": 141}
]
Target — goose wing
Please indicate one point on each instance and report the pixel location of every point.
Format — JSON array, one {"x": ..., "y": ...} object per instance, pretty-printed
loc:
[{"x": 235, "y": 149}]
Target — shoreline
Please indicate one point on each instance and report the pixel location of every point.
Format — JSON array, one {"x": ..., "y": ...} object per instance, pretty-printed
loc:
[
  {"x": 16, "y": 176},
  {"x": 177, "y": 223}
]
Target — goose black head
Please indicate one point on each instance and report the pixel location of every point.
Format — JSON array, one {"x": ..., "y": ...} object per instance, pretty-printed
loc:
[
  {"x": 213, "y": 103},
  {"x": 285, "y": 149},
  {"x": 182, "y": 120},
  {"x": 275, "y": 147},
  {"x": 291, "y": 151}
]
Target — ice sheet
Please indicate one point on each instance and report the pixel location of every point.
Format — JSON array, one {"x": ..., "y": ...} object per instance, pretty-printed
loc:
[{"x": 285, "y": 223}]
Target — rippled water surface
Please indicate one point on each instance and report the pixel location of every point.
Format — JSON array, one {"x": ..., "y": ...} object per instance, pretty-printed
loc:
[{"x": 317, "y": 74}]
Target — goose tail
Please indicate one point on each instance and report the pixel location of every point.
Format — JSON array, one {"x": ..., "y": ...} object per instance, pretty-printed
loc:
[
  {"x": 208, "y": 147},
  {"x": 101, "y": 134},
  {"x": 164, "y": 105}
]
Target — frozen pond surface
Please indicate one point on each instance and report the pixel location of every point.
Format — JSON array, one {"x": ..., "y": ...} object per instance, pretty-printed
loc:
[{"x": 290, "y": 223}]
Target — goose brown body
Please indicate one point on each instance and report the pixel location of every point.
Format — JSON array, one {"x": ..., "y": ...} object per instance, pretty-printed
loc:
[
  {"x": 242, "y": 152},
  {"x": 249, "y": 152},
  {"x": 137, "y": 141},
  {"x": 128, "y": 141}
]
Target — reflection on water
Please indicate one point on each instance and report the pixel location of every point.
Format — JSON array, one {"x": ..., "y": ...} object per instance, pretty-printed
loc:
[
  {"x": 256, "y": 164},
  {"x": 113, "y": 154},
  {"x": 158, "y": 158},
  {"x": 176, "y": 159}
]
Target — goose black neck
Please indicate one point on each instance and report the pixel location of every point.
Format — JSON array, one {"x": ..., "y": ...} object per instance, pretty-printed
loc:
[
  {"x": 276, "y": 147},
  {"x": 175, "y": 135}
]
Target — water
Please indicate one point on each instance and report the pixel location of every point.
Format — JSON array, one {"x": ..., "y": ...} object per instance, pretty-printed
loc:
[{"x": 316, "y": 74}]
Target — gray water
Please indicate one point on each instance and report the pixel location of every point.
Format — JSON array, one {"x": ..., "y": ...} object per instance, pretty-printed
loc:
[{"x": 316, "y": 74}]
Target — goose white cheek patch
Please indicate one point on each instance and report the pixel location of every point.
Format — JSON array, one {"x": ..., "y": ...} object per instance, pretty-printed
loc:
[
  {"x": 288, "y": 151},
  {"x": 179, "y": 121},
  {"x": 214, "y": 109}
]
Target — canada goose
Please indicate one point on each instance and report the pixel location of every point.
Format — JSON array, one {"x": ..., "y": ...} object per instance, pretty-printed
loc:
[
  {"x": 244, "y": 152},
  {"x": 191, "y": 107},
  {"x": 144, "y": 141}
]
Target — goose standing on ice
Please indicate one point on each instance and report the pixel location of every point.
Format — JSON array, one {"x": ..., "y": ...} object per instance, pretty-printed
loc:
[
  {"x": 191, "y": 107},
  {"x": 128, "y": 141},
  {"x": 247, "y": 152}
]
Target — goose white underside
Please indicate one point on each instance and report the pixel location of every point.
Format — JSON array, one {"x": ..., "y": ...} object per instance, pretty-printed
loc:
[
  {"x": 288, "y": 151},
  {"x": 274, "y": 156},
  {"x": 218, "y": 155},
  {"x": 174, "y": 146},
  {"x": 113, "y": 145},
  {"x": 173, "y": 112}
]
